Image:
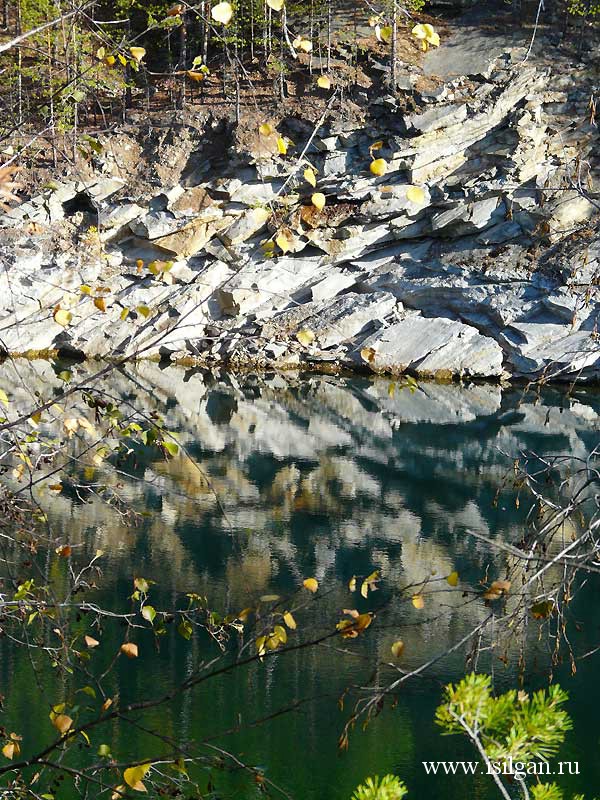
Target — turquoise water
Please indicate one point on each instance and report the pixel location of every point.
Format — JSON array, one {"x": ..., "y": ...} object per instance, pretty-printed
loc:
[{"x": 324, "y": 477}]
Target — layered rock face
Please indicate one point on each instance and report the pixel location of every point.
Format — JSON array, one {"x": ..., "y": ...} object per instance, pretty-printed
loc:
[{"x": 491, "y": 270}]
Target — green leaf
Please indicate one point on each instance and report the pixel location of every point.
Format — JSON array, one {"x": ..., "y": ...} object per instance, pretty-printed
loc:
[
  {"x": 171, "y": 448},
  {"x": 185, "y": 629},
  {"x": 149, "y": 613}
]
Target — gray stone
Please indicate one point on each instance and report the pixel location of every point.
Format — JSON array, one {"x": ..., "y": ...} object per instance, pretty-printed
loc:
[{"x": 433, "y": 347}]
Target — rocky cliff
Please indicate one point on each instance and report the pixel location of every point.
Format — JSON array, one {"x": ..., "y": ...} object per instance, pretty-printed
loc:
[{"x": 490, "y": 270}]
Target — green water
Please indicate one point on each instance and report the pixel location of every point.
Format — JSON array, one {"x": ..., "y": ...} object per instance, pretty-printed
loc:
[{"x": 324, "y": 477}]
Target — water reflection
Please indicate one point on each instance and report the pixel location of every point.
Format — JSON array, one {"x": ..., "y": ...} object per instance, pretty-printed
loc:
[{"x": 314, "y": 475}]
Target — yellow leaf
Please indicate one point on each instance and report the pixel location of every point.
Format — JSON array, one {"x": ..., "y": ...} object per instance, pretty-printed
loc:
[
  {"x": 195, "y": 76},
  {"x": 415, "y": 194},
  {"x": 276, "y": 5},
  {"x": 368, "y": 354},
  {"x": 378, "y": 167},
  {"x": 323, "y": 82},
  {"x": 261, "y": 215},
  {"x": 100, "y": 53},
  {"x": 311, "y": 584},
  {"x": 352, "y": 583},
  {"x": 376, "y": 146},
  {"x": 426, "y": 34},
  {"x": 62, "y": 317},
  {"x": 118, "y": 792},
  {"x": 138, "y": 53},
  {"x": 350, "y": 628},
  {"x": 143, "y": 310},
  {"x": 300, "y": 43},
  {"x": 266, "y": 129},
  {"x": 129, "y": 649},
  {"x": 134, "y": 775},
  {"x": 3, "y": 397},
  {"x": 318, "y": 200},
  {"x": 11, "y": 749},
  {"x": 85, "y": 289},
  {"x": 452, "y": 579},
  {"x": 310, "y": 176},
  {"x": 305, "y": 337},
  {"x": 398, "y": 648},
  {"x": 281, "y": 633},
  {"x": 223, "y": 12},
  {"x": 281, "y": 145},
  {"x": 90, "y": 642},
  {"x": 384, "y": 34},
  {"x": 62, "y": 723},
  {"x": 289, "y": 620},
  {"x": 110, "y": 61},
  {"x": 284, "y": 241},
  {"x": 100, "y": 304},
  {"x": 418, "y": 601},
  {"x": 124, "y": 314},
  {"x": 261, "y": 648}
]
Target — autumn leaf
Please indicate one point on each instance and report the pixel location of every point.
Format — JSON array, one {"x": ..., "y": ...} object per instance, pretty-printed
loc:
[
  {"x": 398, "y": 648},
  {"x": 62, "y": 723},
  {"x": 289, "y": 620},
  {"x": 305, "y": 337},
  {"x": 276, "y": 5},
  {"x": 223, "y": 12},
  {"x": 300, "y": 43},
  {"x": 310, "y": 176},
  {"x": 266, "y": 129},
  {"x": 282, "y": 146},
  {"x": 11, "y": 749},
  {"x": 452, "y": 579},
  {"x": 427, "y": 35},
  {"x": 542, "y": 610},
  {"x": 90, "y": 642},
  {"x": 323, "y": 82},
  {"x": 149, "y": 613},
  {"x": 134, "y": 775},
  {"x": 369, "y": 583},
  {"x": 100, "y": 304},
  {"x": 415, "y": 195},
  {"x": 137, "y": 53},
  {"x": 62, "y": 317},
  {"x": 418, "y": 601},
  {"x": 311, "y": 584},
  {"x": 352, "y": 583},
  {"x": 497, "y": 590},
  {"x": 4, "y": 398},
  {"x": 318, "y": 200},
  {"x": 378, "y": 167},
  {"x": 284, "y": 241},
  {"x": 368, "y": 354},
  {"x": 129, "y": 649},
  {"x": 384, "y": 34},
  {"x": 351, "y": 628}
]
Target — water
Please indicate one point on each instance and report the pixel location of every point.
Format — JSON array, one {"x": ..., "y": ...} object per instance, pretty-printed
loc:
[{"x": 325, "y": 477}]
